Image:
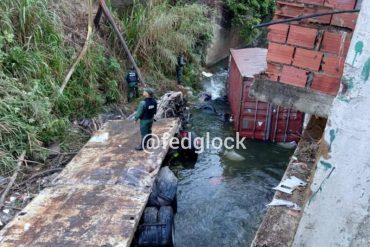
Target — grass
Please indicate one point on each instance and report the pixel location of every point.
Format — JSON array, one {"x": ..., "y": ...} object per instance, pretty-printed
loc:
[
  {"x": 157, "y": 33},
  {"x": 34, "y": 59},
  {"x": 33, "y": 62}
]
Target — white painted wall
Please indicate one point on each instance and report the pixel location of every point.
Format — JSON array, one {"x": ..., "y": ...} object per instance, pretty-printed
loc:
[{"x": 338, "y": 213}]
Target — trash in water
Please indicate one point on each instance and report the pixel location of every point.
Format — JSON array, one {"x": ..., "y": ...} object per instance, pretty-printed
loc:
[
  {"x": 290, "y": 184},
  {"x": 203, "y": 97},
  {"x": 287, "y": 145},
  {"x": 285, "y": 203},
  {"x": 216, "y": 180},
  {"x": 232, "y": 155},
  {"x": 206, "y": 74}
]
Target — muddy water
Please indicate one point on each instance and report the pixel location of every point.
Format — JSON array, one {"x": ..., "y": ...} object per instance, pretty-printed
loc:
[{"x": 221, "y": 202}]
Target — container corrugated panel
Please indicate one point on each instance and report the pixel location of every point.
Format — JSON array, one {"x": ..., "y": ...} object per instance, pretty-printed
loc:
[
  {"x": 256, "y": 119},
  {"x": 235, "y": 87}
]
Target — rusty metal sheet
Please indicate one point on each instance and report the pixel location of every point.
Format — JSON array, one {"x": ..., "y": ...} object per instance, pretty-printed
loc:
[
  {"x": 82, "y": 215},
  {"x": 110, "y": 156},
  {"x": 250, "y": 61},
  {"x": 99, "y": 198}
]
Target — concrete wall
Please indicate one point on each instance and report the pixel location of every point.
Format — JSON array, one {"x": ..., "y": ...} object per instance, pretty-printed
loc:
[
  {"x": 338, "y": 212},
  {"x": 223, "y": 40}
]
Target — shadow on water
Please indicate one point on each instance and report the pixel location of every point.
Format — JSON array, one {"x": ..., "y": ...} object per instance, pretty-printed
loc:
[{"x": 221, "y": 202}]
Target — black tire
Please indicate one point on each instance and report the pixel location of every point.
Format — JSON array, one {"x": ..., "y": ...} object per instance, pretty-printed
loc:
[
  {"x": 149, "y": 235},
  {"x": 150, "y": 215},
  {"x": 166, "y": 217}
]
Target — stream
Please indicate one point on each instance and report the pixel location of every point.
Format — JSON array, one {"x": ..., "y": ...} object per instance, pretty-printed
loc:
[{"x": 221, "y": 202}]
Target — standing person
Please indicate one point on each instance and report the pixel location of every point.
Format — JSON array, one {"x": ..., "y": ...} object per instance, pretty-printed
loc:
[
  {"x": 132, "y": 80},
  {"x": 180, "y": 67},
  {"x": 145, "y": 113}
]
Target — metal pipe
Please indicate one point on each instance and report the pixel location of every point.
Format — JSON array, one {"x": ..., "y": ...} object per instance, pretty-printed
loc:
[
  {"x": 120, "y": 37},
  {"x": 287, "y": 124},
  {"x": 276, "y": 123},
  {"x": 305, "y": 17},
  {"x": 255, "y": 120},
  {"x": 268, "y": 122}
]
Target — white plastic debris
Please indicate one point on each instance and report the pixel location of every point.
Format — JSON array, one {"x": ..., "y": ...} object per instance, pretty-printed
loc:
[
  {"x": 1, "y": 223},
  {"x": 26, "y": 227},
  {"x": 232, "y": 155},
  {"x": 100, "y": 138},
  {"x": 206, "y": 74},
  {"x": 290, "y": 184},
  {"x": 6, "y": 211},
  {"x": 12, "y": 199},
  {"x": 287, "y": 145},
  {"x": 284, "y": 203}
]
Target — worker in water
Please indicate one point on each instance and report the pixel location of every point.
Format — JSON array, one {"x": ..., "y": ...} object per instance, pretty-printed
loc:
[
  {"x": 132, "y": 80},
  {"x": 145, "y": 113},
  {"x": 180, "y": 67}
]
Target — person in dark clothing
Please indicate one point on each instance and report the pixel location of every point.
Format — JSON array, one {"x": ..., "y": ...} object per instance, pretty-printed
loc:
[
  {"x": 132, "y": 80},
  {"x": 180, "y": 67},
  {"x": 145, "y": 113}
]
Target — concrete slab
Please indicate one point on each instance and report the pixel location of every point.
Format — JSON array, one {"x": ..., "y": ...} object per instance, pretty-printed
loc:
[
  {"x": 99, "y": 198},
  {"x": 300, "y": 99}
]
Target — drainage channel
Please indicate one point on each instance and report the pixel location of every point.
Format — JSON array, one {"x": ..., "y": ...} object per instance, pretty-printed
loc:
[{"x": 221, "y": 199}]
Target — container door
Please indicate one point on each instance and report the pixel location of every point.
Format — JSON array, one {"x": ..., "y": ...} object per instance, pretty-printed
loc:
[
  {"x": 254, "y": 116},
  {"x": 286, "y": 125}
]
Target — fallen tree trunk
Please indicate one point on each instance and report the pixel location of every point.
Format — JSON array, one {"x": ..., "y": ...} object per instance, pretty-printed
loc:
[
  {"x": 12, "y": 180},
  {"x": 83, "y": 51}
]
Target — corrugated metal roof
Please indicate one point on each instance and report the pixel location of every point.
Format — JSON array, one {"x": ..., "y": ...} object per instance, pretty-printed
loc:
[{"x": 250, "y": 61}]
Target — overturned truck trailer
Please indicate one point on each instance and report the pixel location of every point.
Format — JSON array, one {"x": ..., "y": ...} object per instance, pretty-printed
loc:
[{"x": 257, "y": 119}]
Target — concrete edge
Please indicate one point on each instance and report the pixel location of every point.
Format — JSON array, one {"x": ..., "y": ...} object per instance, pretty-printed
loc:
[
  {"x": 280, "y": 223},
  {"x": 301, "y": 99}
]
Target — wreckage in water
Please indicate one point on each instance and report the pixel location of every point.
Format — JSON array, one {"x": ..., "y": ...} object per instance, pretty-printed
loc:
[{"x": 256, "y": 119}]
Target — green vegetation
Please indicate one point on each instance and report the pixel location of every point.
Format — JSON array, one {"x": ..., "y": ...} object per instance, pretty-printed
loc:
[
  {"x": 33, "y": 62},
  {"x": 158, "y": 33},
  {"x": 246, "y": 13},
  {"x": 35, "y": 57}
]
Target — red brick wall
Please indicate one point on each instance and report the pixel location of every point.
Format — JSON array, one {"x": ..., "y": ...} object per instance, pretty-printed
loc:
[{"x": 310, "y": 53}]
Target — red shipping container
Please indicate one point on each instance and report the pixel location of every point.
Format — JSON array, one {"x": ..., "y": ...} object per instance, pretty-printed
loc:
[{"x": 256, "y": 119}]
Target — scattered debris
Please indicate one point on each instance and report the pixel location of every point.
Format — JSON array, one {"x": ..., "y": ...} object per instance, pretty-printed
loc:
[
  {"x": 232, "y": 155},
  {"x": 284, "y": 203},
  {"x": 100, "y": 138},
  {"x": 290, "y": 184},
  {"x": 206, "y": 74},
  {"x": 287, "y": 145}
]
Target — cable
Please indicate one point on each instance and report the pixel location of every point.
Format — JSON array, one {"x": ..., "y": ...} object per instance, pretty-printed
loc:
[{"x": 305, "y": 17}]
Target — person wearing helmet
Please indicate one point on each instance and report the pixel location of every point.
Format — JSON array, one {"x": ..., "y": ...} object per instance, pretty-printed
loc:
[
  {"x": 145, "y": 113},
  {"x": 132, "y": 80}
]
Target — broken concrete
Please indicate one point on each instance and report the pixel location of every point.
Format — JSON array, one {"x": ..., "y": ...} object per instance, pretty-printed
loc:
[{"x": 314, "y": 103}]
